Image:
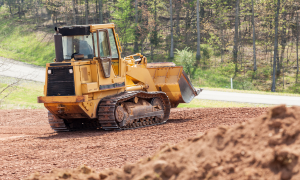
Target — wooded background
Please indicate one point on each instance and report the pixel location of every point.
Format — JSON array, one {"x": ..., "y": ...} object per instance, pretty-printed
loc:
[{"x": 235, "y": 38}]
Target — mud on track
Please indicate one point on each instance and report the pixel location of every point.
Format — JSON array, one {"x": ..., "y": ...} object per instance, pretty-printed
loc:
[{"x": 28, "y": 144}]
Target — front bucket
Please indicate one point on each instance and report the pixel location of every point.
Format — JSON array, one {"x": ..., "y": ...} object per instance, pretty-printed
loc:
[
  {"x": 173, "y": 81},
  {"x": 188, "y": 92}
]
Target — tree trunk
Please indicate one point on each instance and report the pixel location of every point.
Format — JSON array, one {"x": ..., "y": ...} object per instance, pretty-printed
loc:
[
  {"x": 19, "y": 9},
  {"x": 152, "y": 52},
  {"x": 142, "y": 48},
  {"x": 74, "y": 11},
  {"x": 135, "y": 49},
  {"x": 283, "y": 45},
  {"x": 108, "y": 13},
  {"x": 9, "y": 4},
  {"x": 177, "y": 6},
  {"x": 155, "y": 19},
  {"x": 37, "y": 13},
  {"x": 96, "y": 7},
  {"x": 236, "y": 40},
  {"x": 222, "y": 46},
  {"x": 275, "y": 48},
  {"x": 86, "y": 12},
  {"x": 254, "y": 49},
  {"x": 198, "y": 56},
  {"x": 187, "y": 24},
  {"x": 100, "y": 12},
  {"x": 297, "y": 37},
  {"x": 171, "y": 24}
]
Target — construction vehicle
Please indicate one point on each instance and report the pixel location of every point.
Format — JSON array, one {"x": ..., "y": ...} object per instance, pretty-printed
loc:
[{"x": 89, "y": 85}]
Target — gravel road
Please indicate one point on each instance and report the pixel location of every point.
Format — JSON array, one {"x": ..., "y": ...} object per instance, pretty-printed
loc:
[
  {"x": 17, "y": 69},
  {"x": 249, "y": 98},
  {"x": 27, "y": 143}
]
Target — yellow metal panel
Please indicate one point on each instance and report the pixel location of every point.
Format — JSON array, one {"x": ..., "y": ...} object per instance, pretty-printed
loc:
[
  {"x": 94, "y": 27},
  {"x": 115, "y": 65},
  {"x": 118, "y": 79},
  {"x": 160, "y": 80},
  {"x": 94, "y": 71},
  {"x": 85, "y": 74},
  {"x": 142, "y": 75},
  {"x": 172, "y": 79},
  {"x": 100, "y": 95},
  {"x": 70, "y": 110},
  {"x": 175, "y": 70},
  {"x": 89, "y": 87},
  {"x": 62, "y": 99},
  {"x": 160, "y": 64},
  {"x": 102, "y": 79},
  {"x": 129, "y": 81},
  {"x": 162, "y": 72},
  {"x": 90, "y": 107},
  {"x": 77, "y": 80},
  {"x": 172, "y": 91},
  {"x": 152, "y": 72},
  {"x": 122, "y": 68}
]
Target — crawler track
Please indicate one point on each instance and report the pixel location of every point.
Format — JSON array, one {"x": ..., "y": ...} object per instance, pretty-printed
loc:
[
  {"x": 106, "y": 111},
  {"x": 57, "y": 124},
  {"x": 63, "y": 125}
]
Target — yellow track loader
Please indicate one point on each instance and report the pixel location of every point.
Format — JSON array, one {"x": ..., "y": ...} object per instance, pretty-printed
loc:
[{"x": 89, "y": 84}]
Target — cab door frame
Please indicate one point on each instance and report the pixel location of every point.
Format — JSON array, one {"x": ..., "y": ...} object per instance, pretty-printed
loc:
[{"x": 104, "y": 61}]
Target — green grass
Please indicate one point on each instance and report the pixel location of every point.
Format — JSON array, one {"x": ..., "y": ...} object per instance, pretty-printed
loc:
[
  {"x": 218, "y": 78},
  {"x": 23, "y": 42},
  {"x": 200, "y": 103},
  {"x": 23, "y": 96}
]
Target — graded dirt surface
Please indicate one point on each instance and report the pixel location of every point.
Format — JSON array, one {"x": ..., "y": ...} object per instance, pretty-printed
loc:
[{"x": 28, "y": 144}]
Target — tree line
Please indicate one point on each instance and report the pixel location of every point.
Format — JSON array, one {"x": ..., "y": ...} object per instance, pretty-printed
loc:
[{"x": 254, "y": 35}]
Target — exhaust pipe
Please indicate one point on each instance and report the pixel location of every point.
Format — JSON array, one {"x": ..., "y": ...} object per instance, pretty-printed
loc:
[{"x": 59, "y": 55}]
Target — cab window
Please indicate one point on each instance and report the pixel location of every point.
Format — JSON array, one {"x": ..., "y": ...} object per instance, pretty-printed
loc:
[{"x": 114, "y": 51}]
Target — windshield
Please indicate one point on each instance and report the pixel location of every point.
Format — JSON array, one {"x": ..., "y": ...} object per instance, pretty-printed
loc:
[{"x": 78, "y": 45}]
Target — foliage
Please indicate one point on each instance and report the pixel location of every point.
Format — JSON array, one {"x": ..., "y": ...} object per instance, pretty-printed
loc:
[
  {"x": 218, "y": 77},
  {"x": 123, "y": 15},
  {"x": 19, "y": 42},
  {"x": 26, "y": 28},
  {"x": 295, "y": 88},
  {"x": 185, "y": 58}
]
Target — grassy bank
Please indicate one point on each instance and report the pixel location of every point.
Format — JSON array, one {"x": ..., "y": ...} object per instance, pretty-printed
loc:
[
  {"x": 23, "y": 41},
  {"x": 22, "y": 96},
  {"x": 259, "y": 82}
]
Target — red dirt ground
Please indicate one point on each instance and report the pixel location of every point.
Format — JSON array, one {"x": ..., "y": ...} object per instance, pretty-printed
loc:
[{"x": 28, "y": 144}]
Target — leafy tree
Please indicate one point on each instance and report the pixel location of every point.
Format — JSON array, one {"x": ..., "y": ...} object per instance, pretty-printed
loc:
[{"x": 123, "y": 18}]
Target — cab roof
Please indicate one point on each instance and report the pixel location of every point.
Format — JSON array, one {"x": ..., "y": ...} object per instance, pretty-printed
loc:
[{"x": 83, "y": 29}]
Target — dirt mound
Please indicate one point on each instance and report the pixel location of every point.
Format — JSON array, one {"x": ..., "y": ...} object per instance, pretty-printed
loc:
[{"x": 267, "y": 147}]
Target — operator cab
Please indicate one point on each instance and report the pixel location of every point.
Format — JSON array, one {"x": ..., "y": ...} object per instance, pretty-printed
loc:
[{"x": 88, "y": 42}]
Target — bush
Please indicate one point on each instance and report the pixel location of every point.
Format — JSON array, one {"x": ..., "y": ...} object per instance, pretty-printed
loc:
[
  {"x": 185, "y": 58},
  {"x": 242, "y": 83},
  {"x": 295, "y": 88}
]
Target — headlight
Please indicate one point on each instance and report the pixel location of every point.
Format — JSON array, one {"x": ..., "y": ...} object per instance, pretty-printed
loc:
[
  {"x": 49, "y": 71},
  {"x": 71, "y": 71}
]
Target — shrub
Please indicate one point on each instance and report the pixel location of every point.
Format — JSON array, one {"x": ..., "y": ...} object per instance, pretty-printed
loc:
[{"x": 185, "y": 58}]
